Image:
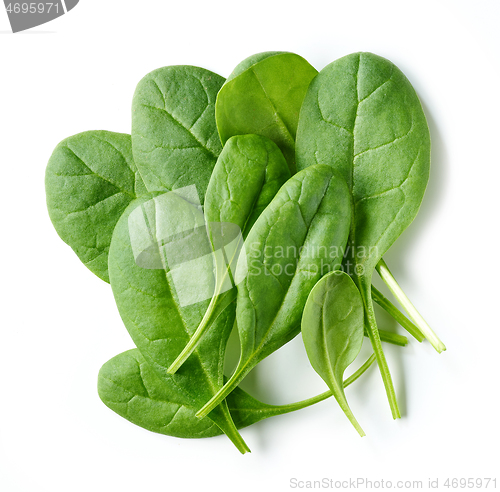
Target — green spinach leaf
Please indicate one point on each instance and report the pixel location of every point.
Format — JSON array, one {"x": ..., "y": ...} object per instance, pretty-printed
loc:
[
  {"x": 263, "y": 96},
  {"x": 129, "y": 387},
  {"x": 248, "y": 174},
  {"x": 299, "y": 237},
  {"x": 144, "y": 274},
  {"x": 362, "y": 117},
  {"x": 90, "y": 180},
  {"x": 174, "y": 136},
  {"x": 332, "y": 331}
]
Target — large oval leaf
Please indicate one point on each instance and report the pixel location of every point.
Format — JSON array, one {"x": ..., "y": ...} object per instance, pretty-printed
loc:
[
  {"x": 90, "y": 179},
  {"x": 174, "y": 136},
  {"x": 362, "y": 117},
  {"x": 128, "y": 386},
  {"x": 263, "y": 96}
]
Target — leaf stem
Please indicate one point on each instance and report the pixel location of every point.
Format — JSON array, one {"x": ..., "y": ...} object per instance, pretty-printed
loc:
[
  {"x": 292, "y": 407},
  {"x": 374, "y": 335},
  {"x": 215, "y": 308},
  {"x": 232, "y": 382},
  {"x": 389, "y": 337},
  {"x": 402, "y": 298},
  {"x": 391, "y": 309},
  {"x": 233, "y": 434}
]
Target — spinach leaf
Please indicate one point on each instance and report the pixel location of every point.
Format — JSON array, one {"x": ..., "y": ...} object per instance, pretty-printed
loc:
[
  {"x": 362, "y": 117},
  {"x": 248, "y": 174},
  {"x": 332, "y": 331},
  {"x": 128, "y": 386},
  {"x": 144, "y": 275},
  {"x": 299, "y": 237},
  {"x": 174, "y": 136},
  {"x": 250, "y": 171},
  {"x": 263, "y": 96},
  {"x": 90, "y": 180}
]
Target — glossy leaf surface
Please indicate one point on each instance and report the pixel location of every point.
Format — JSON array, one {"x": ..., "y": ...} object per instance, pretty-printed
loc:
[{"x": 129, "y": 387}]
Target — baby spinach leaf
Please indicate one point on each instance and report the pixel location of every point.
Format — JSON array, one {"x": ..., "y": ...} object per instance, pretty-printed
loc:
[
  {"x": 362, "y": 117},
  {"x": 144, "y": 277},
  {"x": 90, "y": 179},
  {"x": 128, "y": 386},
  {"x": 174, "y": 136},
  {"x": 332, "y": 330},
  {"x": 248, "y": 174},
  {"x": 299, "y": 237},
  {"x": 263, "y": 96}
]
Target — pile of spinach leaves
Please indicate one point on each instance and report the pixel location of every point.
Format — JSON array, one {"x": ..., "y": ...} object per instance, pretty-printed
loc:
[{"x": 262, "y": 203}]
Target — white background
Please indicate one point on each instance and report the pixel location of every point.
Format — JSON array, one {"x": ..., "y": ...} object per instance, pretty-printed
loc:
[{"x": 59, "y": 323}]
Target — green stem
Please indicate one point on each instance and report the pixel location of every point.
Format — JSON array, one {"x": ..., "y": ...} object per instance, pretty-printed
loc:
[
  {"x": 374, "y": 335},
  {"x": 233, "y": 434},
  {"x": 414, "y": 315},
  {"x": 391, "y": 309},
  {"x": 292, "y": 407},
  {"x": 389, "y": 337},
  {"x": 232, "y": 382},
  {"x": 214, "y": 310}
]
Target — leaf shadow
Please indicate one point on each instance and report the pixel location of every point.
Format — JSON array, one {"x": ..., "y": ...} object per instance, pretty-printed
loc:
[{"x": 439, "y": 170}]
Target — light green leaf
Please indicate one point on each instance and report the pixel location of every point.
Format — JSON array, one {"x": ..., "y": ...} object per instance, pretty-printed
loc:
[
  {"x": 332, "y": 331},
  {"x": 263, "y": 96}
]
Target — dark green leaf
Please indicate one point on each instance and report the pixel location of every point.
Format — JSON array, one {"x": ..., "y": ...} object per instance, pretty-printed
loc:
[
  {"x": 174, "y": 136},
  {"x": 149, "y": 299},
  {"x": 90, "y": 180},
  {"x": 362, "y": 117}
]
